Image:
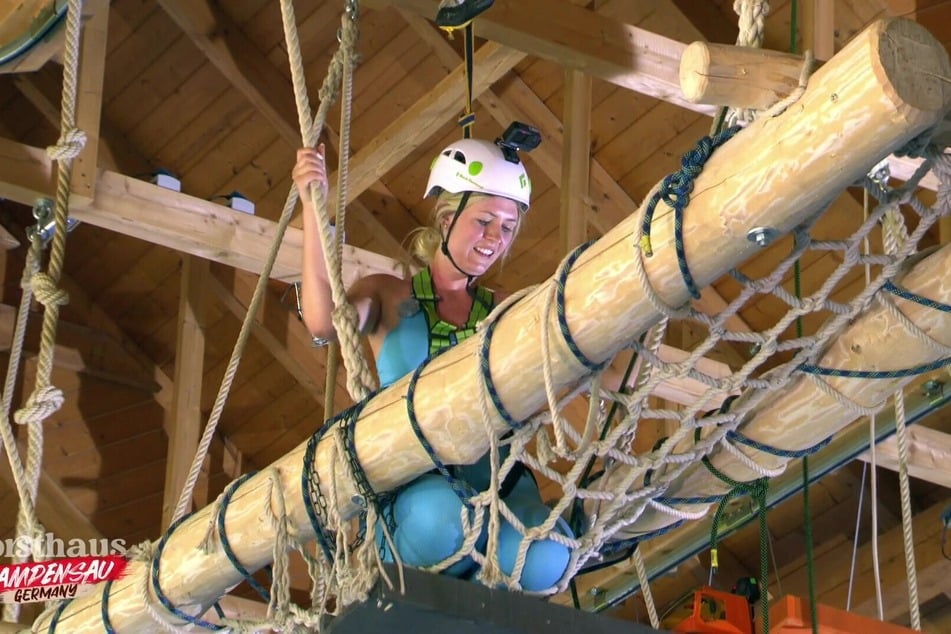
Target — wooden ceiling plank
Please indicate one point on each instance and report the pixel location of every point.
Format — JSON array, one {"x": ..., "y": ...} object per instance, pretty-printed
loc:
[
  {"x": 264, "y": 86},
  {"x": 238, "y": 59},
  {"x": 83, "y": 349},
  {"x": 186, "y": 420},
  {"x": 577, "y": 38},
  {"x": 92, "y": 65},
  {"x": 929, "y": 455},
  {"x": 292, "y": 347},
  {"x": 54, "y": 508},
  {"x": 575, "y": 172},
  {"x": 179, "y": 221},
  {"x": 114, "y": 152}
]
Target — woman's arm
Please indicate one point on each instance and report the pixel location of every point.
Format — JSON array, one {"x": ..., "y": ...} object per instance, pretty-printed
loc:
[{"x": 316, "y": 297}]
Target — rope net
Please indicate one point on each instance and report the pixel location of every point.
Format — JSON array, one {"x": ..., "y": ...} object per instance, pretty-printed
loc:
[{"x": 603, "y": 492}]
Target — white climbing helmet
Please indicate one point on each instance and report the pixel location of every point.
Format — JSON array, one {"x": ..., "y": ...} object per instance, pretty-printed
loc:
[{"x": 475, "y": 165}]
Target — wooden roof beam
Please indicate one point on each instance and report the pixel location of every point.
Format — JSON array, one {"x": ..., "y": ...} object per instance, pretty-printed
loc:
[
  {"x": 278, "y": 330},
  {"x": 578, "y": 38},
  {"x": 264, "y": 85},
  {"x": 576, "y": 159},
  {"x": 92, "y": 66},
  {"x": 185, "y": 223},
  {"x": 81, "y": 349},
  {"x": 186, "y": 421},
  {"x": 929, "y": 455}
]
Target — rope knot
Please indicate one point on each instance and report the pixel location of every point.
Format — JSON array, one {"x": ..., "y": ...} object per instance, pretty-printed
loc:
[
  {"x": 40, "y": 406},
  {"x": 46, "y": 291},
  {"x": 69, "y": 145}
]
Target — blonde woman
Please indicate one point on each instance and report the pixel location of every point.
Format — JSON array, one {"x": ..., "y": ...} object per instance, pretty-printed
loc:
[{"x": 482, "y": 192}]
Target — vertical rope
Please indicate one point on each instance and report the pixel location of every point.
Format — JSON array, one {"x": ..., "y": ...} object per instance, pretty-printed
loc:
[
  {"x": 46, "y": 399},
  {"x": 646, "y": 589},
  {"x": 360, "y": 381},
  {"x": 906, "y": 515},
  {"x": 894, "y": 235}
]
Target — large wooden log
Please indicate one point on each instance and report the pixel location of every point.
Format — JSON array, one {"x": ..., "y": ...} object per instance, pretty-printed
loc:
[
  {"x": 888, "y": 85},
  {"x": 800, "y": 415}
]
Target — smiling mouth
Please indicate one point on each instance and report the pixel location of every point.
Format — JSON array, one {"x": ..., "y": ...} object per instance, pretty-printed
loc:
[{"x": 487, "y": 253}]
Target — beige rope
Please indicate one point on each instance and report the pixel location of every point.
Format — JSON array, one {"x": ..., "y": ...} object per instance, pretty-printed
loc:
[
  {"x": 185, "y": 499},
  {"x": 45, "y": 400},
  {"x": 360, "y": 380}
]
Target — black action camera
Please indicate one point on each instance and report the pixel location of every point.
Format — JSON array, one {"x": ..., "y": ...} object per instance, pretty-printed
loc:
[{"x": 518, "y": 136}]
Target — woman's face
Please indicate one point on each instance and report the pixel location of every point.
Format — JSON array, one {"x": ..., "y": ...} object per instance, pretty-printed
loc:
[{"x": 483, "y": 232}]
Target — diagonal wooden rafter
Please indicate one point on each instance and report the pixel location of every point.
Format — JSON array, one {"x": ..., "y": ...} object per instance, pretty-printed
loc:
[
  {"x": 277, "y": 329},
  {"x": 250, "y": 72}
]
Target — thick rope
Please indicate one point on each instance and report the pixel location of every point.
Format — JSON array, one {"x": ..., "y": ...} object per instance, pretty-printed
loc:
[
  {"x": 906, "y": 512},
  {"x": 894, "y": 234},
  {"x": 360, "y": 380},
  {"x": 260, "y": 290},
  {"x": 646, "y": 589},
  {"x": 46, "y": 399}
]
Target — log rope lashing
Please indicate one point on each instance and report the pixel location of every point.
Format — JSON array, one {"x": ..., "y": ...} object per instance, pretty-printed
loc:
[
  {"x": 840, "y": 318},
  {"x": 45, "y": 399}
]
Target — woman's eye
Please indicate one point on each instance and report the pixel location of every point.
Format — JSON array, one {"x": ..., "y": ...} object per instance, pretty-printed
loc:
[{"x": 508, "y": 229}]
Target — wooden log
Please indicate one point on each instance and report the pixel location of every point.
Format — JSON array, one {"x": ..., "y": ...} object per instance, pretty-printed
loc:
[
  {"x": 800, "y": 415},
  {"x": 865, "y": 103},
  {"x": 737, "y": 76}
]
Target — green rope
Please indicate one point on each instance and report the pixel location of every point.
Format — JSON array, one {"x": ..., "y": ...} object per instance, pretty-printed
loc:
[
  {"x": 757, "y": 490},
  {"x": 807, "y": 515}
]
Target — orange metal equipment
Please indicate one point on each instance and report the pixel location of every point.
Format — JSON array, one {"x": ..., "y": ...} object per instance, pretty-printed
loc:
[
  {"x": 717, "y": 612},
  {"x": 790, "y": 615}
]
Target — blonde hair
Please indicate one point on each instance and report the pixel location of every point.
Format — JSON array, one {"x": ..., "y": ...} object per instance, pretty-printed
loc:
[{"x": 423, "y": 242}]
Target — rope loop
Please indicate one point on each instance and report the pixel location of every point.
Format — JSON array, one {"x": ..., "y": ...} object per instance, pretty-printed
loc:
[
  {"x": 40, "y": 406},
  {"x": 69, "y": 145},
  {"x": 46, "y": 290}
]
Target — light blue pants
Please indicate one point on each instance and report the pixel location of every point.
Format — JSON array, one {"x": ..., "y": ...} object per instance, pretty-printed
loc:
[{"x": 426, "y": 516}]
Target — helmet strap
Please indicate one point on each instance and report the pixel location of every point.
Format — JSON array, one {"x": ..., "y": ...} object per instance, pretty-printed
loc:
[{"x": 445, "y": 240}]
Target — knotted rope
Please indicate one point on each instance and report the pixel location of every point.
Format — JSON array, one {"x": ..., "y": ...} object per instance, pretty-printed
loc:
[{"x": 45, "y": 399}]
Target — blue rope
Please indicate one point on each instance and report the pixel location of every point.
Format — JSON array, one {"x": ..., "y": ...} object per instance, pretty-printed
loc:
[
  {"x": 704, "y": 499},
  {"x": 460, "y": 486},
  {"x": 487, "y": 372},
  {"x": 782, "y": 453},
  {"x": 872, "y": 374},
  {"x": 310, "y": 487},
  {"x": 904, "y": 293},
  {"x": 226, "y": 544},
  {"x": 157, "y": 588},
  {"x": 57, "y": 614},
  {"x": 675, "y": 190},
  {"x": 560, "y": 282},
  {"x": 104, "y": 608}
]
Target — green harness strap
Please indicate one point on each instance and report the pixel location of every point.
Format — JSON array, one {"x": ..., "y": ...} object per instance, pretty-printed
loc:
[{"x": 442, "y": 334}]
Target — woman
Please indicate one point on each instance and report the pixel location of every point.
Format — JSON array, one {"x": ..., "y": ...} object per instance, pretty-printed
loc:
[{"x": 481, "y": 194}]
